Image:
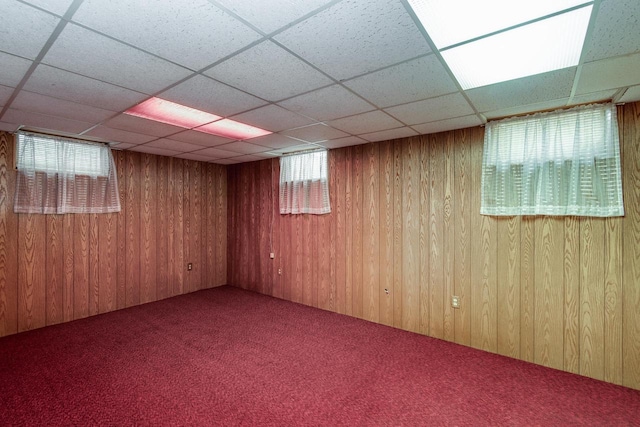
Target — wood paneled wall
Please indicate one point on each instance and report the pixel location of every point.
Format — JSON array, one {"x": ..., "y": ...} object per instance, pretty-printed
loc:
[
  {"x": 57, "y": 268},
  {"x": 405, "y": 234}
]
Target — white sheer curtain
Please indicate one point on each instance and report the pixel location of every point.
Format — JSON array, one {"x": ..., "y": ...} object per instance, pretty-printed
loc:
[
  {"x": 559, "y": 163},
  {"x": 304, "y": 183},
  {"x": 57, "y": 176}
]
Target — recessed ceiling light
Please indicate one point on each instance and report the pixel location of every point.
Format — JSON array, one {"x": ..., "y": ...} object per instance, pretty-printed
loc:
[
  {"x": 525, "y": 51},
  {"x": 171, "y": 113},
  {"x": 232, "y": 129},
  {"x": 499, "y": 40}
]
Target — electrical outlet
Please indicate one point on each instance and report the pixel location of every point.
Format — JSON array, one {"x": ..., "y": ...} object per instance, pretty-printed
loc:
[
  {"x": 190, "y": 266},
  {"x": 279, "y": 272},
  {"x": 455, "y": 301},
  {"x": 272, "y": 255}
]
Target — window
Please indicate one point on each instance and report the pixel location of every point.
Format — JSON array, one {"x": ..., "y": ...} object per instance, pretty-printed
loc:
[
  {"x": 57, "y": 176},
  {"x": 559, "y": 163},
  {"x": 304, "y": 183}
]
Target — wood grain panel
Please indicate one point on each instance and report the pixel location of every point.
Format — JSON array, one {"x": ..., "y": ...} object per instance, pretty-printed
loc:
[
  {"x": 527, "y": 288},
  {"x": 572, "y": 295},
  {"x": 177, "y": 235},
  {"x": 509, "y": 286},
  {"x": 107, "y": 249},
  {"x": 54, "y": 259},
  {"x": 462, "y": 215},
  {"x": 81, "y": 274},
  {"x": 371, "y": 234},
  {"x": 548, "y": 349},
  {"x": 161, "y": 226},
  {"x": 221, "y": 227},
  {"x": 8, "y": 242},
  {"x": 94, "y": 266},
  {"x": 339, "y": 177},
  {"x": 631, "y": 244},
  {"x": 613, "y": 301},
  {"x": 121, "y": 255},
  {"x": 436, "y": 237},
  {"x": 411, "y": 235},
  {"x": 386, "y": 233},
  {"x": 68, "y": 228},
  {"x": 357, "y": 249},
  {"x": 31, "y": 272},
  {"x": 132, "y": 227},
  {"x": 147, "y": 229},
  {"x": 448, "y": 235},
  {"x": 425, "y": 224},
  {"x": 348, "y": 206},
  {"x": 330, "y": 230},
  {"x": 592, "y": 298},
  {"x": 195, "y": 225},
  {"x": 398, "y": 219}
]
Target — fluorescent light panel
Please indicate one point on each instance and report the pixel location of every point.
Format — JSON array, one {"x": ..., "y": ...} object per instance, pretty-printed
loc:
[
  {"x": 161, "y": 110},
  {"x": 524, "y": 51},
  {"x": 232, "y": 129},
  {"x": 461, "y": 31}
]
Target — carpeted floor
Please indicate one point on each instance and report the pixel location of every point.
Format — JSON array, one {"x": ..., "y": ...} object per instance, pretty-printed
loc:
[{"x": 225, "y": 356}]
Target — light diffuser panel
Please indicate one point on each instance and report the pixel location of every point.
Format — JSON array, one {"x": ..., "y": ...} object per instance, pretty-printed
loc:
[
  {"x": 171, "y": 113},
  {"x": 543, "y": 46},
  {"x": 449, "y": 22},
  {"x": 232, "y": 129}
]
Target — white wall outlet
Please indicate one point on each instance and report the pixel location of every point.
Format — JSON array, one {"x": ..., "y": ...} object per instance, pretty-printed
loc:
[
  {"x": 272, "y": 255},
  {"x": 455, "y": 301}
]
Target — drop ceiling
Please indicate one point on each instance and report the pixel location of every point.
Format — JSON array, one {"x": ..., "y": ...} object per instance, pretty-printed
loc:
[{"x": 316, "y": 73}]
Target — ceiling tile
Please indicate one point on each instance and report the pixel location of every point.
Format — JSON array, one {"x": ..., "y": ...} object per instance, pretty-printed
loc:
[
  {"x": 527, "y": 90},
  {"x": 25, "y": 30},
  {"x": 386, "y": 135},
  {"x": 616, "y": 30},
  {"x": 430, "y": 110},
  {"x": 5, "y": 94},
  {"x": 92, "y": 55},
  {"x": 121, "y": 145},
  {"x": 83, "y": 90},
  {"x": 632, "y": 94},
  {"x": 155, "y": 150},
  {"x": 140, "y": 125},
  {"x": 180, "y": 33},
  {"x": 524, "y": 109},
  {"x": 365, "y": 35},
  {"x": 228, "y": 161},
  {"x": 329, "y": 103},
  {"x": 342, "y": 142},
  {"x": 196, "y": 157},
  {"x": 200, "y": 138},
  {"x": 315, "y": 133},
  {"x": 45, "y": 122},
  {"x": 602, "y": 96},
  {"x": 275, "y": 140},
  {"x": 9, "y": 127},
  {"x": 265, "y": 155},
  {"x": 170, "y": 144},
  {"x": 117, "y": 135},
  {"x": 270, "y": 72},
  {"x": 272, "y": 118},
  {"x": 43, "y": 104},
  {"x": 216, "y": 152},
  {"x": 278, "y": 14},
  {"x": 59, "y": 7},
  {"x": 449, "y": 124},
  {"x": 372, "y": 121},
  {"x": 243, "y": 147},
  {"x": 295, "y": 148},
  {"x": 411, "y": 81},
  {"x": 609, "y": 74},
  {"x": 13, "y": 69},
  {"x": 211, "y": 96},
  {"x": 249, "y": 158}
]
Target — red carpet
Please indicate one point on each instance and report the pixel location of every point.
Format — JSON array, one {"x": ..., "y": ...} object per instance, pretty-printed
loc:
[{"x": 230, "y": 357}]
